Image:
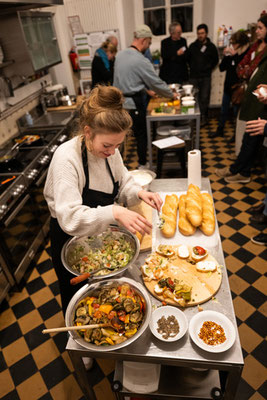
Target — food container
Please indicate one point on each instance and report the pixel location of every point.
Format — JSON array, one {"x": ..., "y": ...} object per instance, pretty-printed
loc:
[
  {"x": 94, "y": 289},
  {"x": 182, "y": 132},
  {"x": 141, "y": 377},
  {"x": 188, "y": 106},
  {"x": 143, "y": 177},
  {"x": 70, "y": 255},
  {"x": 188, "y": 89}
]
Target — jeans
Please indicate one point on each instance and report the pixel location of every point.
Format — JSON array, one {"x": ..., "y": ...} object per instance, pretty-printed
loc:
[
  {"x": 139, "y": 130},
  {"x": 203, "y": 85},
  {"x": 247, "y": 155},
  {"x": 226, "y": 101}
]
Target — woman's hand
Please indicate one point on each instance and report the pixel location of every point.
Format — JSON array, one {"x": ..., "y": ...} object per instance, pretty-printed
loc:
[
  {"x": 262, "y": 93},
  {"x": 152, "y": 199},
  {"x": 131, "y": 220},
  {"x": 256, "y": 127}
]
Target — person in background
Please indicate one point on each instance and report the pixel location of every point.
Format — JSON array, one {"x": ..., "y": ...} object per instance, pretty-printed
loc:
[
  {"x": 251, "y": 109},
  {"x": 246, "y": 70},
  {"x": 202, "y": 57},
  {"x": 173, "y": 48},
  {"x": 133, "y": 74},
  {"x": 87, "y": 181},
  {"x": 232, "y": 57},
  {"x": 102, "y": 68},
  {"x": 255, "y": 128}
]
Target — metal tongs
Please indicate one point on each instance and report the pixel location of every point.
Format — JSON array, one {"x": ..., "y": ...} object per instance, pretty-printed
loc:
[
  {"x": 160, "y": 220},
  {"x": 86, "y": 275}
]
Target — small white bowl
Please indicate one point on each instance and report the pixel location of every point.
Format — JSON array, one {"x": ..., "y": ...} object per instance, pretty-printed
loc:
[
  {"x": 187, "y": 98},
  {"x": 188, "y": 103},
  {"x": 143, "y": 177},
  {"x": 168, "y": 311},
  {"x": 188, "y": 89}
]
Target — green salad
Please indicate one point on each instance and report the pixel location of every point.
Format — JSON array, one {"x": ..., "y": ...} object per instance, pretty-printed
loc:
[{"x": 115, "y": 253}]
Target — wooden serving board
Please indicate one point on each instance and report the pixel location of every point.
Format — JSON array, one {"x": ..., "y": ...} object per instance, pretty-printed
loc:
[
  {"x": 146, "y": 211},
  {"x": 154, "y": 113},
  {"x": 204, "y": 284}
]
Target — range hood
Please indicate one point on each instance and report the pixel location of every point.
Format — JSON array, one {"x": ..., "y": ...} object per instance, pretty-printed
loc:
[{"x": 11, "y": 6}]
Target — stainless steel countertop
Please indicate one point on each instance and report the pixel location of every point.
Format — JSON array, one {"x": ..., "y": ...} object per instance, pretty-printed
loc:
[{"x": 147, "y": 348}]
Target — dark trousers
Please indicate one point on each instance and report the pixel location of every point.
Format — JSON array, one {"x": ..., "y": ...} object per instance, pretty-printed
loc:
[
  {"x": 58, "y": 239},
  {"x": 139, "y": 130},
  {"x": 226, "y": 102},
  {"x": 247, "y": 155},
  {"x": 203, "y": 85}
]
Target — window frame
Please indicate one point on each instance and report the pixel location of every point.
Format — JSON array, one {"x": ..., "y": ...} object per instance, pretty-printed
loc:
[{"x": 168, "y": 6}]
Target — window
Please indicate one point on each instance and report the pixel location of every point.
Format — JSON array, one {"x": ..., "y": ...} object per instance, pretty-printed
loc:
[{"x": 158, "y": 14}]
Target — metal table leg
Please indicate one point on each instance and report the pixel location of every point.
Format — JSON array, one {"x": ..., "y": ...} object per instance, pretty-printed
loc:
[
  {"x": 81, "y": 375},
  {"x": 197, "y": 131},
  {"x": 232, "y": 382},
  {"x": 149, "y": 142}
]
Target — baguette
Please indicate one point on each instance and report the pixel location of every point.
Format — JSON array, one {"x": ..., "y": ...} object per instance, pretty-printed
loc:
[
  {"x": 184, "y": 225},
  {"x": 193, "y": 205},
  {"x": 169, "y": 215},
  {"x": 208, "y": 218}
]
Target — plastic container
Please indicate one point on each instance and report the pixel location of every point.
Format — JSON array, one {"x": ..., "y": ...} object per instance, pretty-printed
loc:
[
  {"x": 141, "y": 377},
  {"x": 182, "y": 133},
  {"x": 164, "y": 130}
]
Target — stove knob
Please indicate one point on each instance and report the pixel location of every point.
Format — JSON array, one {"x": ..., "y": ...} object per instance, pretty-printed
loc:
[
  {"x": 15, "y": 193},
  {"x": 22, "y": 187},
  {"x": 3, "y": 207}
]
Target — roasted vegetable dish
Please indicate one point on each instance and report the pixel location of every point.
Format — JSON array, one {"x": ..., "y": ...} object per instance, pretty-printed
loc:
[
  {"x": 115, "y": 252},
  {"x": 120, "y": 307}
]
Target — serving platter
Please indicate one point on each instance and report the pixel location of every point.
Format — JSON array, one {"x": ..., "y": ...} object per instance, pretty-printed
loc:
[
  {"x": 198, "y": 238},
  {"x": 204, "y": 284}
]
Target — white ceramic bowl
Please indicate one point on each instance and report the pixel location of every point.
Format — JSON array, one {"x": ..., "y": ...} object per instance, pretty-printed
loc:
[
  {"x": 188, "y": 103},
  {"x": 188, "y": 89},
  {"x": 187, "y": 98},
  {"x": 219, "y": 318},
  {"x": 143, "y": 177},
  {"x": 168, "y": 311}
]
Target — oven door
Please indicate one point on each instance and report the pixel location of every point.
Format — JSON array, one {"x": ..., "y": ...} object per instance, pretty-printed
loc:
[
  {"x": 21, "y": 235},
  {"x": 36, "y": 191}
]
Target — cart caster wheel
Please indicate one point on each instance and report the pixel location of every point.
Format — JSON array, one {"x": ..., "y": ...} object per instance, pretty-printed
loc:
[
  {"x": 116, "y": 386},
  {"x": 216, "y": 393}
]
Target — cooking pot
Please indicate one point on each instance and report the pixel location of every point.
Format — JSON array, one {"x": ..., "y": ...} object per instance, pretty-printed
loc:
[
  {"x": 76, "y": 248},
  {"x": 65, "y": 100},
  {"x": 93, "y": 290}
]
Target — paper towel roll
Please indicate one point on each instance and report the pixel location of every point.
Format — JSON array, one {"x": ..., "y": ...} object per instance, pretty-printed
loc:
[{"x": 194, "y": 168}]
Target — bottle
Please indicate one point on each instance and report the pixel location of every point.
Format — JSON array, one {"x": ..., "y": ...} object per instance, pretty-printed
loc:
[
  {"x": 28, "y": 118},
  {"x": 220, "y": 37},
  {"x": 225, "y": 37},
  {"x": 229, "y": 34}
]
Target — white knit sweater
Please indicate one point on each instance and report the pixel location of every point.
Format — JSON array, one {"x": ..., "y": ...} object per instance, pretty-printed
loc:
[{"x": 65, "y": 182}]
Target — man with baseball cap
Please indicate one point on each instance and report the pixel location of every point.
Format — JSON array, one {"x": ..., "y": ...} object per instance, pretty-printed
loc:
[{"x": 133, "y": 75}]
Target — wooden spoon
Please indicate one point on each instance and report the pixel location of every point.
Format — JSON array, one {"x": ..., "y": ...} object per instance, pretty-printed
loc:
[
  {"x": 87, "y": 275},
  {"x": 75, "y": 328}
]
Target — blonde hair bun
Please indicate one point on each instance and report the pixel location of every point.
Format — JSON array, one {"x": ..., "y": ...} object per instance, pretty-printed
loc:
[{"x": 103, "y": 111}]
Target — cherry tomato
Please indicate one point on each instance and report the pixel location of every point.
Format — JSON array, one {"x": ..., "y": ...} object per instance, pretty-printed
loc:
[
  {"x": 112, "y": 314},
  {"x": 200, "y": 250},
  {"x": 95, "y": 305},
  {"x": 121, "y": 315}
]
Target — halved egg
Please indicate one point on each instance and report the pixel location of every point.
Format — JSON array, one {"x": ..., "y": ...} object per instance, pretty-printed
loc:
[
  {"x": 206, "y": 266},
  {"x": 183, "y": 251}
]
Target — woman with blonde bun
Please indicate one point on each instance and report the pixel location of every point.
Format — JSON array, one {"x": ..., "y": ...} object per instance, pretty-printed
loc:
[{"x": 87, "y": 180}]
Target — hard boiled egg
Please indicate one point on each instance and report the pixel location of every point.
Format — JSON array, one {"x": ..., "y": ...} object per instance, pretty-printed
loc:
[
  {"x": 206, "y": 266},
  {"x": 183, "y": 251}
]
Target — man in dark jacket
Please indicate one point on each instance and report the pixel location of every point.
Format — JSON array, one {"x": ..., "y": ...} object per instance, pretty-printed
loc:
[
  {"x": 202, "y": 57},
  {"x": 174, "y": 68}
]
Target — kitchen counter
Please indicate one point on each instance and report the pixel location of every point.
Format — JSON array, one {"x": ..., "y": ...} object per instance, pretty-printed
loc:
[
  {"x": 224, "y": 369},
  {"x": 73, "y": 107}
]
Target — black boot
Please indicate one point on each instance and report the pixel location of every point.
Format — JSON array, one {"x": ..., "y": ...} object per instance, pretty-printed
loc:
[{"x": 219, "y": 132}]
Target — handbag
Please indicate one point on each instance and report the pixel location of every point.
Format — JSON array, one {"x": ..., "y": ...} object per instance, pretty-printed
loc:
[{"x": 238, "y": 93}]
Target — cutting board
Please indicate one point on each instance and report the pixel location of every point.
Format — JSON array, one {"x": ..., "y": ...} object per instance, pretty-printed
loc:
[
  {"x": 204, "y": 284},
  {"x": 146, "y": 211}
]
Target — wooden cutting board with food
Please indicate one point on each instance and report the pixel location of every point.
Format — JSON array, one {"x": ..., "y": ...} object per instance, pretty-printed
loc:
[
  {"x": 182, "y": 275},
  {"x": 146, "y": 211}
]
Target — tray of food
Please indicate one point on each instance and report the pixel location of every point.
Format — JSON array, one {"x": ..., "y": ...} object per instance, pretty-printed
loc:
[
  {"x": 116, "y": 249},
  {"x": 182, "y": 275},
  {"x": 186, "y": 217},
  {"x": 121, "y": 307}
]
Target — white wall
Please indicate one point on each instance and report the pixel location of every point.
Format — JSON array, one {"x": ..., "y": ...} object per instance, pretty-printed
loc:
[{"x": 237, "y": 13}]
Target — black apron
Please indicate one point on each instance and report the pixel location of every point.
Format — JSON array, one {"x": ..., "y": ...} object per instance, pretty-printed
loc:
[{"x": 91, "y": 198}]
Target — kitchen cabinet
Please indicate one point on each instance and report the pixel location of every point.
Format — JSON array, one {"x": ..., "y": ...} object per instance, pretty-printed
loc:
[
  {"x": 41, "y": 39},
  {"x": 31, "y": 43}
]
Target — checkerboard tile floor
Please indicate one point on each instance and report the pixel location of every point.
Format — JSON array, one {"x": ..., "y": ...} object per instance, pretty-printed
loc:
[{"x": 36, "y": 366}]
